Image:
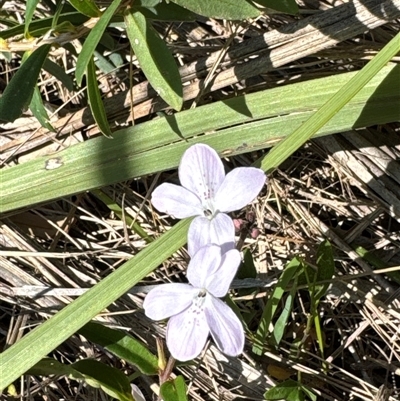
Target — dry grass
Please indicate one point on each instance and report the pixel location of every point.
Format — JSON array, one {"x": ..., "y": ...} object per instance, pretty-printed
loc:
[{"x": 343, "y": 188}]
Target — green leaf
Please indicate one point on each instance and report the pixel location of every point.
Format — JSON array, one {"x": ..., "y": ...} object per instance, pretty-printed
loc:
[
  {"x": 19, "y": 91},
  {"x": 93, "y": 39},
  {"x": 154, "y": 57},
  {"x": 95, "y": 100},
  {"x": 174, "y": 390},
  {"x": 94, "y": 373},
  {"x": 29, "y": 11},
  {"x": 295, "y": 140},
  {"x": 109, "y": 379},
  {"x": 237, "y": 125},
  {"x": 281, "y": 322},
  {"x": 44, "y": 338},
  {"x": 224, "y": 9},
  {"x": 49, "y": 366},
  {"x": 326, "y": 268},
  {"x": 272, "y": 304},
  {"x": 284, "y": 6},
  {"x": 289, "y": 390},
  {"x": 39, "y": 111},
  {"x": 122, "y": 345},
  {"x": 247, "y": 269},
  {"x": 59, "y": 73},
  {"x": 86, "y": 7},
  {"x": 164, "y": 11}
]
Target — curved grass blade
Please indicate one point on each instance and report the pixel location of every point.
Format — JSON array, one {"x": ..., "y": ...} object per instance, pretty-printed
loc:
[
  {"x": 95, "y": 100},
  {"x": 93, "y": 39},
  {"x": 155, "y": 59},
  {"x": 29, "y": 11},
  {"x": 19, "y": 91},
  {"x": 295, "y": 140}
]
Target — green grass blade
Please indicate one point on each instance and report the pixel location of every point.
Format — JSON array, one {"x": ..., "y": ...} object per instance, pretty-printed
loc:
[
  {"x": 93, "y": 39},
  {"x": 95, "y": 100},
  {"x": 240, "y": 124},
  {"x": 294, "y": 141},
  {"x": 30, "y": 9},
  {"x": 21, "y": 356},
  {"x": 39, "y": 111}
]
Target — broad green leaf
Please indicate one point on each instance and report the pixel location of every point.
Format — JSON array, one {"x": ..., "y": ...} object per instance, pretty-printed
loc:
[
  {"x": 174, "y": 390},
  {"x": 122, "y": 345},
  {"x": 93, "y": 39},
  {"x": 155, "y": 59},
  {"x": 285, "y": 6},
  {"x": 109, "y": 379},
  {"x": 59, "y": 73},
  {"x": 224, "y": 9},
  {"x": 295, "y": 140},
  {"x": 39, "y": 111},
  {"x": 95, "y": 100},
  {"x": 19, "y": 91},
  {"x": 289, "y": 390},
  {"x": 31, "y": 348},
  {"x": 86, "y": 7},
  {"x": 238, "y": 125},
  {"x": 272, "y": 304},
  {"x": 29, "y": 11},
  {"x": 326, "y": 268}
]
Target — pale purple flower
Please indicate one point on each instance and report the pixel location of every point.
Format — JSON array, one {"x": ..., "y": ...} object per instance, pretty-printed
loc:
[
  {"x": 195, "y": 309},
  {"x": 208, "y": 193}
]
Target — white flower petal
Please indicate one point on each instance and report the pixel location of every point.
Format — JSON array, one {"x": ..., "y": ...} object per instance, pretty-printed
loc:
[
  {"x": 218, "y": 282},
  {"x": 187, "y": 334},
  {"x": 225, "y": 327},
  {"x": 137, "y": 393},
  {"x": 201, "y": 171},
  {"x": 205, "y": 262},
  {"x": 176, "y": 201},
  {"x": 198, "y": 234},
  {"x": 168, "y": 299},
  {"x": 222, "y": 231},
  {"x": 239, "y": 188}
]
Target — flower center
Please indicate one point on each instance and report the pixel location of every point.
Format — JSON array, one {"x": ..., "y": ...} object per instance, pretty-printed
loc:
[{"x": 208, "y": 213}]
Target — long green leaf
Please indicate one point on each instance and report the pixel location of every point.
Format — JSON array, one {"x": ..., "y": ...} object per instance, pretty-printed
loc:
[
  {"x": 39, "y": 111},
  {"x": 122, "y": 345},
  {"x": 155, "y": 59},
  {"x": 240, "y": 124},
  {"x": 19, "y": 91},
  {"x": 86, "y": 7},
  {"x": 30, "y": 9},
  {"x": 226, "y": 9},
  {"x": 93, "y": 39},
  {"x": 17, "y": 359},
  {"x": 294, "y": 141},
  {"x": 95, "y": 100}
]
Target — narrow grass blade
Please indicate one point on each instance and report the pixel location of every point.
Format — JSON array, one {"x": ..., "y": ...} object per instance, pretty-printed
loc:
[
  {"x": 93, "y": 39},
  {"x": 294, "y": 141},
  {"x": 39, "y": 111},
  {"x": 272, "y": 304},
  {"x": 17, "y": 359},
  {"x": 95, "y": 100},
  {"x": 29, "y": 11}
]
